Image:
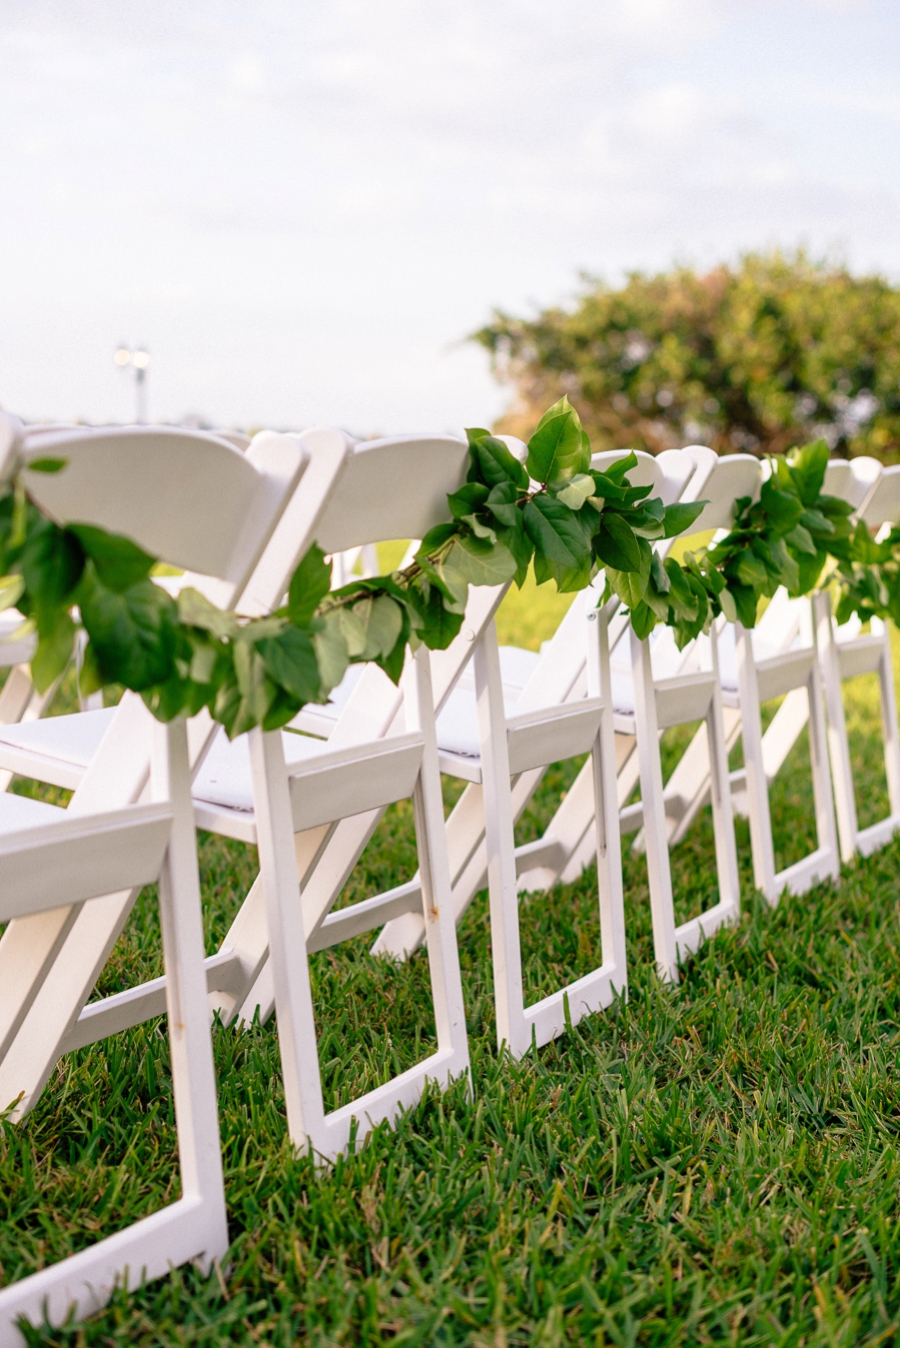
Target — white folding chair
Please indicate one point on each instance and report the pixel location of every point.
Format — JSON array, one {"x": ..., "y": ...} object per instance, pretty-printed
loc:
[
  {"x": 557, "y": 676},
  {"x": 681, "y": 696},
  {"x": 845, "y": 653},
  {"x": 355, "y": 775},
  {"x": 760, "y": 678},
  {"x": 253, "y": 508},
  {"x": 784, "y": 626},
  {"x": 57, "y": 864}
]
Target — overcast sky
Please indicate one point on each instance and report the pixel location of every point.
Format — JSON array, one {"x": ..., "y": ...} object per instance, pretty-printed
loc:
[{"x": 304, "y": 207}]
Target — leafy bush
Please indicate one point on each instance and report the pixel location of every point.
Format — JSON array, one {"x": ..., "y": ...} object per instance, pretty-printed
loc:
[{"x": 759, "y": 357}]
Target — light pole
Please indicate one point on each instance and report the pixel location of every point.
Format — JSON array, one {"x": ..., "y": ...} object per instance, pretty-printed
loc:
[{"x": 139, "y": 359}]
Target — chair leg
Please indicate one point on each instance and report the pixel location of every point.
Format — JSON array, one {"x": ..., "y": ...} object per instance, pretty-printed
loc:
[
  {"x": 826, "y": 830},
  {"x": 287, "y": 943},
  {"x": 720, "y": 793},
  {"x": 512, "y": 1029},
  {"x": 656, "y": 842},
  {"x": 608, "y": 841},
  {"x": 193, "y": 1073},
  {"x": 434, "y": 872},
  {"x": 838, "y": 745},
  {"x": 889, "y": 723},
  {"x": 760, "y": 815},
  {"x": 194, "y": 1227}
]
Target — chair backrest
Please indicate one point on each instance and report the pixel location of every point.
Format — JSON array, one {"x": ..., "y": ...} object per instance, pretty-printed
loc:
[
  {"x": 851, "y": 479},
  {"x": 883, "y": 505},
  {"x": 721, "y": 481},
  {"x": 392, "y": 489},
  {"x": 189, "y": 498},
  {"x": 665, "y": 474}
]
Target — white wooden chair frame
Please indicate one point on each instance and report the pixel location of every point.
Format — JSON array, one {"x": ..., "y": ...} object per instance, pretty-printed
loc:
[
  {"x": 503, "y": 779},
  {"x": 82, "y": 855},
  {"x": 56, "y": 865},
  {"x": 42, "y": 1016},
  {"x": 783, "y": 623},
  {"x": 845, "y": 658}
]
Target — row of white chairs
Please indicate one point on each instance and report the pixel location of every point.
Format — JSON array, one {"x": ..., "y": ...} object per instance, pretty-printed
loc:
[{"x": 237, "y": 521}]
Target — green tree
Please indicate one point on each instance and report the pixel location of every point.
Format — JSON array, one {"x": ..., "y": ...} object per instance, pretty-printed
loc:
[{"x": 759, "y": 357}]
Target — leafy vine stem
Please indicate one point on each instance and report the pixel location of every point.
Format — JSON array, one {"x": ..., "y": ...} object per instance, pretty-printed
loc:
[{"x": 552, "y": 512}]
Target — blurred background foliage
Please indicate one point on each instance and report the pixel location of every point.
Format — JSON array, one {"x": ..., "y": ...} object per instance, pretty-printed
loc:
[{"x": 757, "y": 357}]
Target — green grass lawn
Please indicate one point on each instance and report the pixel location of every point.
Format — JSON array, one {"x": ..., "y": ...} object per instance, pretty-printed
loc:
[{"x": 714, "y": 1163}]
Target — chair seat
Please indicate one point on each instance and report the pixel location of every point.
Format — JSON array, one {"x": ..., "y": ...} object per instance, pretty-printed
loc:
[
  {"x": 18, "y": 812},
  {"x": 56, "y": 749}
]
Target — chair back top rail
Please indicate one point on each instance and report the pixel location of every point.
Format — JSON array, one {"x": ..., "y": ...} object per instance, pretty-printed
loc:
[
  {"x": 883, "y": 504},
  {"x": 721, "y": 481},
  {"x": 391, "y": 489},
  {"x": 852, "y": 479},
  {"x": 188, "y": 498}
]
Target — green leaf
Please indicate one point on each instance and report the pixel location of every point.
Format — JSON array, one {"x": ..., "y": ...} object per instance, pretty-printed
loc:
[
  {"x": 331, "y": 651},
  {"x": 568, "y": 579},
  {"x": 282, "y": 709},
  {"x": 556, "y": 451},
  {"x": 521, "y": 547},
  {"x": 577, "y": 492},
  {"x": 788, "y": 572},
  {"x": 436, "y": 625},
  {"x": 133, "y": 631},
  {"x": 482, "y": 563},
  {"x": 807, "y": 469},
  {"x": 491, "y": 462},
  {"x": 616, "y": 544},
  {"x": 643, "y": 620},
  {"x": 751, "y": 571},
  {"x": 118, "y": 561},
  {"x": 556, "y": 531},
  {"x": 682, "y": 598},
  {"x": 257, "y": 689},
  {"x": 453, "y": 587},
  {"x": 195, "y": 610},
  {"x": 394, "y": 662},
  {"x": 46, "y": 465},
  {"x": 745, "y": 602},
  {"x": 52, "y": 564},
  {"x": 203, "y": 660},
  {"x": 290, "y": 661},
  {"x": 800, "y": 539},
  {"x": 478, "y": 529},
  {"x": 809, "y": 571},
  {"x": 382, "y": 620},
  {"x": 53, "y": 653},
  {"x": 631, "y": 586},
  {"x": 680, "y": 516},
  {"x": 470, "y": 496},
  {"x": 658, "y": 574},
  {"x": 501, "y": 502},
  {"x": 782, "y": 509},
  {"x": 648, "y": 519},
  {"x": 816, "y": 522},
  {"x": 309, "y": 585},
  {"x": 90, "y": 676},
  {"x": 435, "y": 539},
  {"x": 617, "y": 470},
  {"x": 11, "y": 590},
  {"x": 728, "y": 606}
]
